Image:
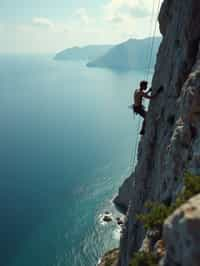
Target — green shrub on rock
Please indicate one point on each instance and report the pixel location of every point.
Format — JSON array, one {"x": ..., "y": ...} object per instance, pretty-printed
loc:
[
  {"x": 155, "y": 216},
  {"x": 144, "y": 259},
  {"x": 192, "y": 186},
  {"x": 157, "y": 212}
]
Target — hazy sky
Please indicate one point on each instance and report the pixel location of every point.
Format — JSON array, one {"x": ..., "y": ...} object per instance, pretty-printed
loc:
[{"x": 52, "y": 25}]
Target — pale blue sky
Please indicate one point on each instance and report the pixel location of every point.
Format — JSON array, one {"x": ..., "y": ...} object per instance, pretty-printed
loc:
[{"x": 50, "y": 26}]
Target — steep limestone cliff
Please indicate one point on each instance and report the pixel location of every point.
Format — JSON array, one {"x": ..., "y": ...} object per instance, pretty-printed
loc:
[{"x": 171, "y": 144}]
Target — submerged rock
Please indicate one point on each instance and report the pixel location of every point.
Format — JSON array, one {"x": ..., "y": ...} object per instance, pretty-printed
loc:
[
  {"x": 107, "y": 219},
  {"x": 119, "y": 221}
]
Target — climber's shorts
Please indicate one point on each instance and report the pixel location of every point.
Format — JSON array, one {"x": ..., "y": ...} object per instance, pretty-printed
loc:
[{"x": 139, "y": 110}]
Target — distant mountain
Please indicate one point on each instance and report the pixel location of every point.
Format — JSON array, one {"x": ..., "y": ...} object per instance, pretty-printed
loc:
[
  {"x": 132, "y": 54},
  {"x": 86, "y": 53}
]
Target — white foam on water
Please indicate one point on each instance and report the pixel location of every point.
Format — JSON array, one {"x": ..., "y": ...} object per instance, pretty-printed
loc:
[
  {"x": 99, "y": 261},
  {"x": 117, "y": 233}
]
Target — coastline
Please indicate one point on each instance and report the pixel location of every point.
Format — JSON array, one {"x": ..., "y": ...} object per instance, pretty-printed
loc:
[{"x": 111, "y": 256}]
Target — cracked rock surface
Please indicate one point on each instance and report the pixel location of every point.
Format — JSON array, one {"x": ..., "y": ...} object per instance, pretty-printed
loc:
[
  {"x": 182, "y": 235},
  {"x": 171, "y": 144}
]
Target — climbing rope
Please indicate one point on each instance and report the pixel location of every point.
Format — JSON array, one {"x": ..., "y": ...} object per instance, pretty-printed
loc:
[
  {"x": 150, "y": 34},
  {"x": 134, "y": 150},
  {"x": 153, "y": 41},
  {"x": 133, "y": 156},
  {"x": 137, "y": 142}
]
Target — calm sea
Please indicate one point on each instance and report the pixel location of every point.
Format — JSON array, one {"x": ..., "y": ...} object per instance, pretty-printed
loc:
[{"x": 66, "y": 138}]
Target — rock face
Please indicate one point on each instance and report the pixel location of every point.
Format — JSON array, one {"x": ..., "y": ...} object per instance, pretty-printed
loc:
[
  {"x": 182, "y": 235},
  {"x": 110, "y": 258},
  {"x": 123, "y": 197},
  {"x": 171, "y": 144}
]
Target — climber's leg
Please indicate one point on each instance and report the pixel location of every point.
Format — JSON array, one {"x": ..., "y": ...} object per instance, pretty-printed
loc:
[
  {"x": 143, "y": 114},
  {"x": 143, "y": 128},
  {"x": 141, "y": 111}
]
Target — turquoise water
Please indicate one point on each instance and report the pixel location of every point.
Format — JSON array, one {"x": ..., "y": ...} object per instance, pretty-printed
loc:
[{"x": 65, "y": 143}]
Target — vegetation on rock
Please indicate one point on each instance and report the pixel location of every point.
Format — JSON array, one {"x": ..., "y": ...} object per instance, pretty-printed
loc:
[
  {"x": 158, "y": 212},
  {"x": 144, "y": 259},
  {"x": 155, "y": 216}
]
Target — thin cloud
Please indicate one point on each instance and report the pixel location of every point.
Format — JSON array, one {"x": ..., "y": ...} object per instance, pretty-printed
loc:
[
  {"x": 82, "y": 15},
  {"x": 135, "y": 9},
  {"x": 44, "y": 22},
  {"x": 115, "y": 22},
  {"x": 139, "y": 12},
  {"x": 116, "y": 19}
]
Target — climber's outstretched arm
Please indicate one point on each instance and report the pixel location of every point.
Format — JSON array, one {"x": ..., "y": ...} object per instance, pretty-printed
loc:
[
  {"x": 149, "y": 90},
  {"x": 145, "y": 95}
]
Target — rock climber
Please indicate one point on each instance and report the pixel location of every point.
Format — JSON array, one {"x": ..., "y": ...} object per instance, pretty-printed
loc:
[{"x": 139, "y": 95}]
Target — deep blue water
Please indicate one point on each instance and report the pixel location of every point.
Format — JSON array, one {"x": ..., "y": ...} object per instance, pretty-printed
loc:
[{"x": 66, "y": 135}]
